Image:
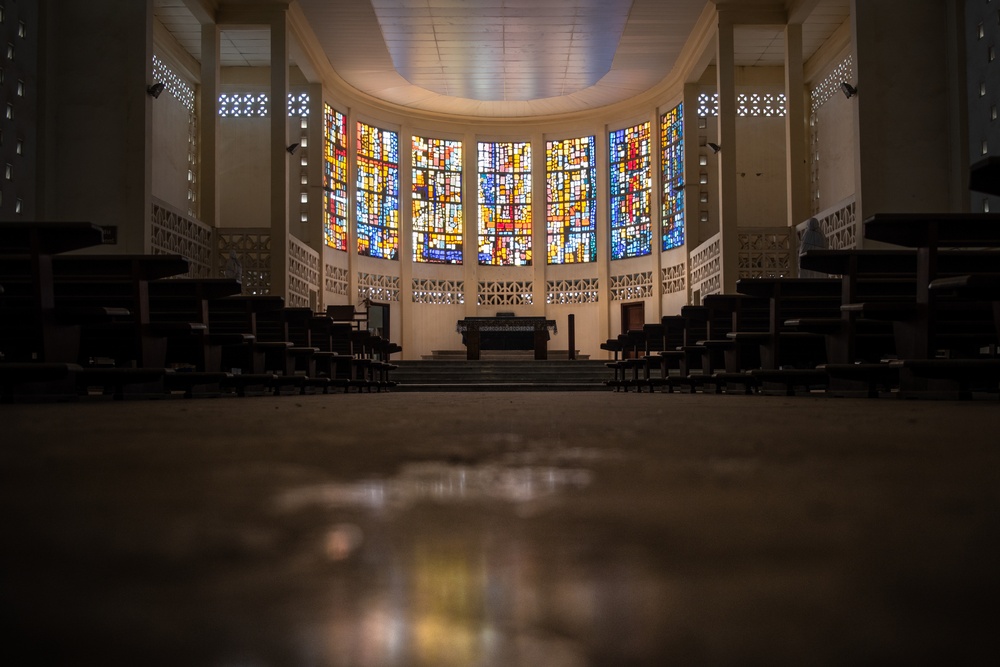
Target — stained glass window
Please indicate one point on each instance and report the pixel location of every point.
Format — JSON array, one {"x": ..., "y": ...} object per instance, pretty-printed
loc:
[
  {"x": 505, "y": 203},
  {"x": 631, "y": 232},
  {"x": 570, "y": 168},
  {"x": 335, "y": 178},
  {"x": 377, "y": 192},
  {"x": 672, "y": 195},
  {"x": 437, "y": 201}
]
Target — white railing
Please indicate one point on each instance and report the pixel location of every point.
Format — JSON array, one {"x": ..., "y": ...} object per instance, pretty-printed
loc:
[
  {"x": 706, "y": 267},
  {"x": 251, "y": 249},
  {"x": 765, "y": 252},
  {"x": 173, "y": 232},
  {"x": 303, "y": 275},
  {"x": 838, "y": 223}
]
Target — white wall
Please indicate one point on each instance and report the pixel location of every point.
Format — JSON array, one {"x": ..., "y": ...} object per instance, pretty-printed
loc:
[
  {"x": 244, "y": 172},
  {"x": 171, "y": 131}
]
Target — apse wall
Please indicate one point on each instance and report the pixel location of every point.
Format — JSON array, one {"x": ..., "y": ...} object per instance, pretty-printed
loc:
[{"x": 426, "y": 300}]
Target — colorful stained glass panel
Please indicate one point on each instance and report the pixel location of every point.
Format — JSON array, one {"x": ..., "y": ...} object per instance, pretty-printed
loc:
[
  {"x": 631, "y": 232},
  {"x": 571, "y": 194},
  {"x": 437, "y": 201},
  {"x": 335, "y": 178},
  {"x": 505, "y": 203},
  {"x": 672, "y": 171},
  {"x": 377, "y": 192}
]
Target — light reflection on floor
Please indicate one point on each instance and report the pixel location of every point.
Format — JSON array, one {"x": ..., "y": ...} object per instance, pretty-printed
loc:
[{"x": 430, "y": 583}]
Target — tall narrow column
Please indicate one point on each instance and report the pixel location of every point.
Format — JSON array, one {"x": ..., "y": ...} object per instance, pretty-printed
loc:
[
  {"x": 602, "y": 154},
  {"x": 796, "y": 128},
  {"x": 905, "y": 134},
  {"x": 728, "y": 214},
  {"x": 405, "y": 237},
  {"x": 97, "y": 125},
  {"x": 470, "y": 232},
  {"x": 693, "y": 232},
  {"x": 279, "y": 154},
  {"x": 313, "y": 232},
  {"x": 208, "y": 126},
  {"x": 656, "y": 216},
  {"x": 539, "y": 224}
]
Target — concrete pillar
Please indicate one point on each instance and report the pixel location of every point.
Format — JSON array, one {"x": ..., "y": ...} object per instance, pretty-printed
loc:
[
  {"x": 406, "y": 235},
  {"x": 796, "y": 128},
  {"x": 539, "y": 223},
  {"x": 352, "y": 207},
  {"x": 728, "y": 215},
  {"x": 97, "y": 118},
  {"x": 906, "y": 143},
  {"x": 655, "y": 216},
  {"x": 602, "y": 154},
  {"x": 279, "y": 154},
  {"x": 693, "y": 233},
  {"x": 208, "y": 125},
  {"x": 312, "y": 232},
  {"x": 470, "y": 233}
]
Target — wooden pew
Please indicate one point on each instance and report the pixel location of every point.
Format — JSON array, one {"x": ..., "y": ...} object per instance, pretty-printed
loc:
[
  {"x": 615, "y": 346},
  {"x": 919, "y": 332},
  {"x": 879, "y": 288},
  {"x": 88, "y": 284},
  {"x": 195, "y": 360},
  {"x": 790, "y": 299},
  {"x": 789, "y": 357},
  {"x": 253, "y": 362},
  {"x": 726, "y": 359},
  {"x": 670, "y": 358},
  {"x": 31, "y": 329},
  {"x": 347, "y": 369}
]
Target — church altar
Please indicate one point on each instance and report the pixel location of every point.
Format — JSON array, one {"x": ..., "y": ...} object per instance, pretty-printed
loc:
[{"x": 505, "y": 333}]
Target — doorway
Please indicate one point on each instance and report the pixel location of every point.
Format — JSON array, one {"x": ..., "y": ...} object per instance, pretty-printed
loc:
[{"x": 633, "y": 317}]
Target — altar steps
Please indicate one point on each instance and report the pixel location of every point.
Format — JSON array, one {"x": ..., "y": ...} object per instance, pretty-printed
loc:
[{"x": 501, "y": 375}]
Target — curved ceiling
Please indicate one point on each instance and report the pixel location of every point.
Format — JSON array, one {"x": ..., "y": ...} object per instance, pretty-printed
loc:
[{"x": 503, "y": 58}]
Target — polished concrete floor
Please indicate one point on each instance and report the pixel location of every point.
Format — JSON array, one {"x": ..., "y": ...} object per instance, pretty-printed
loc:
[{"x": 501, "y": 529}]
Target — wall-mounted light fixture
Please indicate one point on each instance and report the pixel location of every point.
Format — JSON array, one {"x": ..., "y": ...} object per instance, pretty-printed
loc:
[
  {"x": 156, "y": 89},
  {"x": 849, "y": 90},
  {"x": 291, "y": 149},
  {"x": 715, "y": 147}
]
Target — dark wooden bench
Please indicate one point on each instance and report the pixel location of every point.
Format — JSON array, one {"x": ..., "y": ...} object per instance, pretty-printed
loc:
[
  {"x": 923, "y": 331},
  {"x": 253, "y": 362},
  {"x": 790, "y": 299},
  {"x": 336, "y": 339},
  {"x": 109, "y": 296},
  {"x": 30, "y": 329}
]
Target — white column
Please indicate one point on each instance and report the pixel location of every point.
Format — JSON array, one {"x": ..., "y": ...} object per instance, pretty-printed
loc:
[
  {"x": 406, "y": 235},
  {"x": 279, "y": 154},
  {"x": 97, "y": 132},
  {"x": 656, "y": 215},
  {"x": 539, "y": 224},
  {"x": 603, "y": 158},
  {"x": 728, "y": 214},
  {"x": 470, "y": 233},
  {"x": 208, "y": 127},
  {"x": 796, "y": 128}
]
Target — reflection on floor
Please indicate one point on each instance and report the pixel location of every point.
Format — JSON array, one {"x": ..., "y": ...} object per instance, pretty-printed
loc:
[{"x": 556, "y": 529}]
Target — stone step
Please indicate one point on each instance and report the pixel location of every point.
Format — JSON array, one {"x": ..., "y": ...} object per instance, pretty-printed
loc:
[
  {"x": 501, "y": 355},
  {"x": 548, "y": 375}
]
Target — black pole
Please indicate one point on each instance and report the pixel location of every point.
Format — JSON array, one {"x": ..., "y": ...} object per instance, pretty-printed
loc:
[{"x": 572, "y": 335}]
